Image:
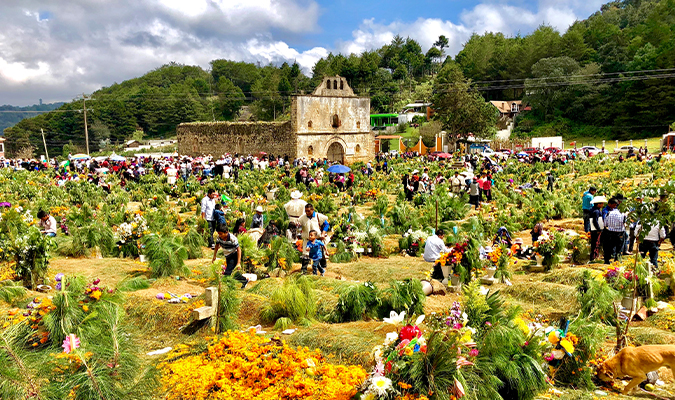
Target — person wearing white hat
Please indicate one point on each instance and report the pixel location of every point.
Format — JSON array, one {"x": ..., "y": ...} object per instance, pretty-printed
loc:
[
  {"x": 258, "y": 220},
  {"x": 295, "y": 207},
  {"x": 597, "y": 225}
]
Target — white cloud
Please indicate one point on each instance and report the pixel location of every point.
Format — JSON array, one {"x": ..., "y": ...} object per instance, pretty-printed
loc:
[
  {"x": 55, "y": 50},
  {"x": 484, "y": 17}
]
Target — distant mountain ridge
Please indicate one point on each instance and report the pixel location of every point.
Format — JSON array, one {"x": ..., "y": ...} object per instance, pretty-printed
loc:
[{"x": 8, "y": 119}]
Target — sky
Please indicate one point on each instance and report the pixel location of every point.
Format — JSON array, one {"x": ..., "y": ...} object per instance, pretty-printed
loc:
[{"x": 56, "y": 49}]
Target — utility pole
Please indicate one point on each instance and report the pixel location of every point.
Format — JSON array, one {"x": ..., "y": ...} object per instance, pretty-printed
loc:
[
  {"x": 45, "y": 143},
  {"x": 86, "y": 130}
]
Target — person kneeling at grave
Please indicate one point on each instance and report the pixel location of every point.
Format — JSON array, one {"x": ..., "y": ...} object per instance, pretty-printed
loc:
[
  {"x": 433, "y": 248},
  {"x": 231, "y": 252}
]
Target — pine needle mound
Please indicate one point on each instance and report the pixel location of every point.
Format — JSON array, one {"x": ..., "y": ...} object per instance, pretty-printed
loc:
[
  {"x": 134, "y": 284},
  {"x": 295, "y": 299}
]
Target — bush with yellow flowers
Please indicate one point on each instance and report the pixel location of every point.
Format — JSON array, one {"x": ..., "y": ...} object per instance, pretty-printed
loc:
[{"x": 243, "y": 365}]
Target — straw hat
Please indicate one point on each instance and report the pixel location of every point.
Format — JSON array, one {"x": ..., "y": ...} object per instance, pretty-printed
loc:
[
  {"x": 259, "y": 209},
  {"x": 599, "y": 199},
  {"x": 518, "y": 241},
  {"x": 415, "y": 172},
  {"x": 296, "y": 194}
]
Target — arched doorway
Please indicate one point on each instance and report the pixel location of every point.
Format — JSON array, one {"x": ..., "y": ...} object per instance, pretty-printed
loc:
[{"x": 336, "y": 153}]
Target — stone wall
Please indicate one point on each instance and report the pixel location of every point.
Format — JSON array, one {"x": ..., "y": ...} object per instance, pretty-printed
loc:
[
  {"x": 218, "y": 138},
  {"x": 334, "y": 115},
  {"x": 356, "y": 146}
]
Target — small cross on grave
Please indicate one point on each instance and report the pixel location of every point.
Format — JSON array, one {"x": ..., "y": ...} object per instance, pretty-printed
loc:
[{"x": 209, "y": 309}]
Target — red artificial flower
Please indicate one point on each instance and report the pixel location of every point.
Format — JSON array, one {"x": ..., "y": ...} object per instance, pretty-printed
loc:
[{"x": 410, "y": 332}]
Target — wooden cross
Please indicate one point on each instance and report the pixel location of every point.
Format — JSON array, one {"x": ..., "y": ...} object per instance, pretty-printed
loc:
[{"x": 209, "y": 309}]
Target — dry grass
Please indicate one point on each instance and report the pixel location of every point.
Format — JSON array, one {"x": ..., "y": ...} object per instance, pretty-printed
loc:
[
  {"x": 565, "y": 276},
  {"x": 349, "y": 343},
  {"x": 382, "y": 270},
  {"x": 640, "y": 335},
  {"x": 250, "y": 308},
  {"x": 158, "y": 322},
  {"x": 110, "y": 270},
  {"x": 547, "y": 298}
]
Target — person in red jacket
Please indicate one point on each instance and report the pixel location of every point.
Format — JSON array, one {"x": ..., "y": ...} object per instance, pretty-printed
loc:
[{"x": 487, "y": 188}]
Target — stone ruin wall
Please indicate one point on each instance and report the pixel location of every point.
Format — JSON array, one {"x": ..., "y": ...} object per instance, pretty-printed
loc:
[
  {"x": 218, "y": 138},
  {"x": 313, "y": 118}
]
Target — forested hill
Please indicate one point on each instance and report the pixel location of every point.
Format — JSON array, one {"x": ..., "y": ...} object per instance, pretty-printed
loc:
[
  {"x": 623, "y": 41},
  {"x": 10, "y": 115},
  {"x": 598, "y": 78}
]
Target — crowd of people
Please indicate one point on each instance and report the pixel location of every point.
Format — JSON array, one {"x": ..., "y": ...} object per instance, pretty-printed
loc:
[
  {"x": 615, "y": 232},
  {"x": 608, "y": 227}
]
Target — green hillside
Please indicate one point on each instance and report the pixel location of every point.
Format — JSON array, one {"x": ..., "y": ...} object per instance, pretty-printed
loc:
[{"x": 609, "y": 76}]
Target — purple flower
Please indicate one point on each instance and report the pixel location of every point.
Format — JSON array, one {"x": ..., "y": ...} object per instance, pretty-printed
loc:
[
  {"x": 58, "y": 286},
  {"x": 160, "y": 296},
  {"x": 59, "y": 277}
]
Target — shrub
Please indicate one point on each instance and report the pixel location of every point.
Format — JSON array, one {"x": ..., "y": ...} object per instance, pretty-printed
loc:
[
  {"x": 166, "y": 255},
  {"x": 356, "y": 302},
  {"x": 294, "y": 299},
  {"x": 193, "y": 244},
  {"x": 30, "y": 251},
  {"x": 406, "y": 295}
]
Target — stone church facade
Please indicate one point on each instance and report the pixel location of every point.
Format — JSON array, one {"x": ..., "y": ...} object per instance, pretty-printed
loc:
[{"x": 332, "y": 122}]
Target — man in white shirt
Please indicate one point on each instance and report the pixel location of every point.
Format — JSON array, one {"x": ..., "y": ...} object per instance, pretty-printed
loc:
[
  {"x": 295, "y": 207},
  {"x": 208, "y": 205},
  {"x": 652, "y": 242},
  {"x": 435, "y": 246},
  {"x": 312, "y": 221},
  {"x": 456, "y": 182},
  {"x": 47, "y": 223}
]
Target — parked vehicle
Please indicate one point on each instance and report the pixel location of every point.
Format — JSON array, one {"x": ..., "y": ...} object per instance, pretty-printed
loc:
[
  {"x": 592, "y": 150},
  {"x": 553, "y": 150},
  {"x": 626, "y": 149},
  {"x": 496, "y": 154},
  {"x": 531, "y": 150},
  {"x": 505, "y": 151}
]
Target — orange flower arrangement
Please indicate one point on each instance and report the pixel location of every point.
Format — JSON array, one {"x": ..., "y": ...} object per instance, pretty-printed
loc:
[{"x": 243, "y": 365}]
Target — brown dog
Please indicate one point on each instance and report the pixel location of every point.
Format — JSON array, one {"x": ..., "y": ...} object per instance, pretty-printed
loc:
[{"x": 636, "y": 362}]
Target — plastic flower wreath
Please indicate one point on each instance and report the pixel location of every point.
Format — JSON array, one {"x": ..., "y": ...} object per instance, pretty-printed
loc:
[{"x": 71, "y": 343}]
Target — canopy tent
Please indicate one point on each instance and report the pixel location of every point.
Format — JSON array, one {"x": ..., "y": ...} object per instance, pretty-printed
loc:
[
  {"x": 80, "y": 157},
  {"x": 116, "y": 157}
]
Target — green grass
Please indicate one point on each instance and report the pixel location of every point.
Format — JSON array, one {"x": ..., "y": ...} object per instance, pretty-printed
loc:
[{"x": 653, "y": 144}]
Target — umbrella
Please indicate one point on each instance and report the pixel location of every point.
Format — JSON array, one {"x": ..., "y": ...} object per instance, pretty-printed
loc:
[
  {"x": 80, "y": 157},
  {"x": 115, "y": 157},
  {"x": 338, "y": 169},
  {"x": 522, "y": 154},
  {"x": 443, "y": 155}
]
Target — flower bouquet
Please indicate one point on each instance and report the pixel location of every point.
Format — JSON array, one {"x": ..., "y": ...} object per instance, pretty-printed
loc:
[
  {"x": 407, "y": 364},
  {"x": 131, "y": 233},
  {"x": 452, "y": 263},
  {"x": 550, "y": 246}
]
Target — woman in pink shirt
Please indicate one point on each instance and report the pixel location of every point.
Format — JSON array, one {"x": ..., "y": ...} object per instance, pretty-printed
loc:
[{"x": 487, "y": 187}]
